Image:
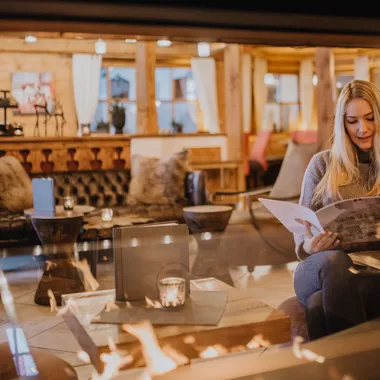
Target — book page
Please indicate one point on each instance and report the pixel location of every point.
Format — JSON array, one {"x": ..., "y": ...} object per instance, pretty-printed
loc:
[{"x": 292, "y": 215}]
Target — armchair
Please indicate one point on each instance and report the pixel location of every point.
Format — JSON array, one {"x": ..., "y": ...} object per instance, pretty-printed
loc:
[{"x": 287, "y": 187}]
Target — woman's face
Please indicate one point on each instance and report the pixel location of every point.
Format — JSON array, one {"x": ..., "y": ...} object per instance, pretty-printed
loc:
[{"x": 360, "y": 123}]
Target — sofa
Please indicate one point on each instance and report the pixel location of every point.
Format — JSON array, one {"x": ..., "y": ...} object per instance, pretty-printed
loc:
[{"x": 107, "y": 188}]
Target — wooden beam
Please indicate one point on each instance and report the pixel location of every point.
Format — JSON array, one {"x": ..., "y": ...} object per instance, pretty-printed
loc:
[
  {"x": 233, "y": 106},
  {"x": 146, "y": 88},
  {"x": 325, "y": 94}
]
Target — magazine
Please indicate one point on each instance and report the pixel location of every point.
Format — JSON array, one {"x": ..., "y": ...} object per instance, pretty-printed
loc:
[{"x": 356, "y": 220}]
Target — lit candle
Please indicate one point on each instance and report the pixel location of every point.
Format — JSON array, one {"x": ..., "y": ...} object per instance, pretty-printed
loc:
[
  {"x": 172, "y": 291},
  {"x": 68, "y": 202},
  {"x": 107, "y": 214}
]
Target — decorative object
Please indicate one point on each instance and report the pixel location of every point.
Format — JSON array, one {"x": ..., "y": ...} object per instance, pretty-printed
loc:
[
  {"x": 177, "y": 127},
  {"x": 118, "y": 117},
  {"x": 158, "y": 181},
  {"x": 86, "y": 130},
  {"x": 30, "y": 88},
  {"x": 102, "y": 127},
  {"x": 107, "y": 214},
  {"x": 5, "y": 103},
  {"x": 172, "y": 292},
  {"x": 68, "y": 203}
]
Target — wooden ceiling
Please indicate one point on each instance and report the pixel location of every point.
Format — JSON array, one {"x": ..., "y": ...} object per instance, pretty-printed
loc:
[{"x": 280, "y": 58}]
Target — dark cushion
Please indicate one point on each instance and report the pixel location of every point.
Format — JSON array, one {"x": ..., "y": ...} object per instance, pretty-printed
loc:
[
  {"x": 296, "y": 311},
  {"x": 49, "y": 366}
]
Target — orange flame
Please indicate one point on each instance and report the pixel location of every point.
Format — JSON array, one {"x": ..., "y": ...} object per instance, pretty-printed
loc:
[
  {"x": 157, "y": 361},
  {"x": 305, "y": 353}
]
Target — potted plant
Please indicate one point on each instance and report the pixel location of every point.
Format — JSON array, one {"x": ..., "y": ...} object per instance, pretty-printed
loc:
[
  {"x": 118, "y": 117},
  {"x": 177, "y": 127}
]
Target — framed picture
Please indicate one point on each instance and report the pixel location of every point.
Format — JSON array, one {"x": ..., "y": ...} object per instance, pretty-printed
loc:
[{"x": 33, "y": 91}]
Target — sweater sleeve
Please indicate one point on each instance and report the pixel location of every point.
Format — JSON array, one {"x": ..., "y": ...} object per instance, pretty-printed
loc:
[{"x": 312, "y": 177}]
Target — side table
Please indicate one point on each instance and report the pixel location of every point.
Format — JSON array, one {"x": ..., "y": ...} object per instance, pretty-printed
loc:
[
  {"x": 58, "y": 234},
  {"x": 207, "y": 224}
]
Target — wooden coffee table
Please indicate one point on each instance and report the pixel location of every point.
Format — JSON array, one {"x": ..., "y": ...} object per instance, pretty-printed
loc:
[{"x": 243, "y": 318}]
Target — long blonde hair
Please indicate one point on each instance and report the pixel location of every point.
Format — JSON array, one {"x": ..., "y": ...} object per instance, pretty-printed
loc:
[{"x": 343, "y": 166}]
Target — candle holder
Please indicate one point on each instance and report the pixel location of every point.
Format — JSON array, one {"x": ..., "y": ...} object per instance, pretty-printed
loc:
[
  {"x": 107, "y": 214},
  {"x": 68, "y": 203},
  {"x": 172, "y": 292}
]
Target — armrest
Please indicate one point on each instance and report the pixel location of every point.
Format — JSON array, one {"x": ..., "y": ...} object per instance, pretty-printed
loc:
[{"x": 254, "y": 194}]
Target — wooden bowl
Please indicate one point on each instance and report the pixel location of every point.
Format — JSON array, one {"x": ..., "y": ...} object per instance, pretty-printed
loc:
[{"x": 207, "y": 218}]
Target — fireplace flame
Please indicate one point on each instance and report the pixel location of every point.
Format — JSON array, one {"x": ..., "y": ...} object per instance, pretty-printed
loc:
[
  {"x": 90, "y": 283},
  {"x": 213, "y": 351},
  {"x": 157, "y": 362},
  {"x": 152, "y": 303},
  {"x": 305, "y": 353}
]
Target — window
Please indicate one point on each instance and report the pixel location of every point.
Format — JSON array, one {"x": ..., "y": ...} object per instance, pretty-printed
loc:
[
  {"x": 341, "y": 80},
  {"x": 117, "y": 84},
  {"x": 176, "y": 99},
  {"x": 282, "y": 106}
]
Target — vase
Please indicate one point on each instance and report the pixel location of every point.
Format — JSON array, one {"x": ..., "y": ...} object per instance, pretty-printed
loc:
[{"x": 118, "y": 121}]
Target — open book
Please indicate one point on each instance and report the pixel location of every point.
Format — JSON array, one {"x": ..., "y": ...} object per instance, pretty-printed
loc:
[{"x": 356, "y": 220}]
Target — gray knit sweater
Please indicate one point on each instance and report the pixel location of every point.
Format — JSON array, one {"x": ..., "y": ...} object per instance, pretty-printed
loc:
[{"x": 313, "y": 175}]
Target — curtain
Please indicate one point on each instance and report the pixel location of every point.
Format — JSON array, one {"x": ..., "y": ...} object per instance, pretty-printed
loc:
[
  {"x": 247, "y": 91},
  {"x": 204, "y": 72},
  {"x": 86, "y": 77},
  {"x": 306, "y": 94},
  {"x": 260, "y": 92},
  {"x": 362, "y": 68}
]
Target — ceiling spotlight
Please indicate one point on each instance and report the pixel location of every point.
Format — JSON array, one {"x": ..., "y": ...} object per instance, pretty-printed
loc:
[
  {"x": 204, "y": 49},
  {"x": 30, "y": 39},
  {"x": 100, "y": 46},
  {"x": 130, "y": 40},
  {"x": 164, "y": 43}
]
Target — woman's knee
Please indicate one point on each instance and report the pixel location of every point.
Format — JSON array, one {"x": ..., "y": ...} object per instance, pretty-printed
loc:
[{"x": 338, "y": 260}]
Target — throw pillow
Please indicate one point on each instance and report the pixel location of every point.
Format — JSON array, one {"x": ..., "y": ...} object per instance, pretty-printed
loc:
[
  {"x": 289, "y": 180},
  {"x": 16, "y": 192},
  {"x": 158, "y": 181}
]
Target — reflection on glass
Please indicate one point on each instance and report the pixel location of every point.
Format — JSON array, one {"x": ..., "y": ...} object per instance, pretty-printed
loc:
[
  {"x": 101, "y": 115},
  {"x": 186, "y": 114},
  {"x": 23, "y": 360},
  {"x": 164, "y": 84},
  {"x": 184, "y": 85},
  {"x": 103, "y": 91},
  {"x": 123, "y": 82},
  {"x": 164, "y": 116},
  {"x": 130, "y": 117}
]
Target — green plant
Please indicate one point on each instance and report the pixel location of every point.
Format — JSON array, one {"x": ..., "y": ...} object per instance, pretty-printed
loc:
[{"x": 177, "y": 127}]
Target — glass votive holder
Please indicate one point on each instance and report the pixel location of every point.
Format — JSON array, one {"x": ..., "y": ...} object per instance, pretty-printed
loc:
[
  {"x": 107, "y": 214},
  {"x": 172, "y": 292},
  {"x": 68, "y": 203}
]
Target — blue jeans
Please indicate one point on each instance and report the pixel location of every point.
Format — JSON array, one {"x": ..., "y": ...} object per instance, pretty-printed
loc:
[{"x": 323, "y": 281}]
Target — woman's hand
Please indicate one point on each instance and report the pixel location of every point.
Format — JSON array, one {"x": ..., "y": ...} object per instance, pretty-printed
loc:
[{"x": 324, "y": 241}]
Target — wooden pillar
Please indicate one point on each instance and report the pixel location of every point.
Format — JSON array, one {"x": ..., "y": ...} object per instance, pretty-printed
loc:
[
  {"x": 146, "y": 88},
  {"x": 233, "y": 107},
  {"x": 326, "y": 94}
]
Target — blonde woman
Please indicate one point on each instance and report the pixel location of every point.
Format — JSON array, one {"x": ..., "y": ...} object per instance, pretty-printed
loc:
[{"x": 334, "y": 297}]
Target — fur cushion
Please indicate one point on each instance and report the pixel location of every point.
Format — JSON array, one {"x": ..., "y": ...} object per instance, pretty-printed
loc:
[
  {"x": 158, "y": 181},
  {"x": 16, "y": 192}
]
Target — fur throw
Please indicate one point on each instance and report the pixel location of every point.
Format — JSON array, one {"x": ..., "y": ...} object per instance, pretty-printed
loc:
[{"x": 15, "y": 185}]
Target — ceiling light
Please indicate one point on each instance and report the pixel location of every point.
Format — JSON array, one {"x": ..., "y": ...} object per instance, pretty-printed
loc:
[
  {"x": 130, "y": 40},
  {"x": 315, "y": 80},
  {"x": 100, "y": 46},
  {"x": 164, "y": 43},
  {"x": 204, "y": 49},
  {"x": 30, "y": 39}
]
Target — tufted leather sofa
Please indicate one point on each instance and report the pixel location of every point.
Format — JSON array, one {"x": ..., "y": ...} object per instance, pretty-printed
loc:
[{"x": 107, "y": 188}]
